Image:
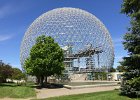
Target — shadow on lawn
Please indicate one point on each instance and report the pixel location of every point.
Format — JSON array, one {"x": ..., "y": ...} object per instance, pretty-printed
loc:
[
  {"x": 8, "y": 84},
  {"x": 12, "y": 84},
  {"x": 33, "y": 85},
  {"x": 50, "y": 86}
]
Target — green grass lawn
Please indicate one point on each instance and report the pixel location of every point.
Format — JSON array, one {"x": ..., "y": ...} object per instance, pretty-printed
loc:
[
  {"x": 11, "y": 90},
  {"x": 107, "y": 95}
]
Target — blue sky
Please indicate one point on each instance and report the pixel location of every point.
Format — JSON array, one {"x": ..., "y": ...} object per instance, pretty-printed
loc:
[{"x": 17, "y": 15}]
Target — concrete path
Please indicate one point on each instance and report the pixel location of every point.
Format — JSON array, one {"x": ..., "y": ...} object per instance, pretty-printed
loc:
[{"x": 46, "y": 93}]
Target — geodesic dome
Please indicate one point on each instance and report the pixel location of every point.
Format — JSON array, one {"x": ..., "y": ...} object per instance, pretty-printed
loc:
[{"x": 70, "y": 26}]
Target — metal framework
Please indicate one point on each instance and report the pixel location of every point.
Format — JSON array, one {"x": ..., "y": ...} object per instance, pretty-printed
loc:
[{"x": 83, "y": 37}]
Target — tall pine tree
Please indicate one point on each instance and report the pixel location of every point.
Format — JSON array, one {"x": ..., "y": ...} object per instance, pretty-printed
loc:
[{"x": 131, "y": 78}]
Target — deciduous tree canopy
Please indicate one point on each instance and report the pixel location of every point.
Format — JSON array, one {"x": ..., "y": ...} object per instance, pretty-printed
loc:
[
  {"x": 6, "y": 71},
  {"x": 46, "y": 58}
]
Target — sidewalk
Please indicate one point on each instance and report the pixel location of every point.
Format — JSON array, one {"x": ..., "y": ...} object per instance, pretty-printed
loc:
[{"x": 46, "y": 93}]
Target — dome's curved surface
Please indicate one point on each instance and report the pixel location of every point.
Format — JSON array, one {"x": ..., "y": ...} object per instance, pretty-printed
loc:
[{"x": 70, "y": 26}]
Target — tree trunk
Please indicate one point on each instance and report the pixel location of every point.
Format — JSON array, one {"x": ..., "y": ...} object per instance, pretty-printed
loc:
[
  {"x": 4, "y": 80},
  {"x": 46, "y": 79},
  {"x": 41, "y": 81},
  {"x": 38, "y": 80}
]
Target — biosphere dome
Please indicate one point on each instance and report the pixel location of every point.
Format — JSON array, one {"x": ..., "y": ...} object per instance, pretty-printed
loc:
[{"x": 71, "y": 27}]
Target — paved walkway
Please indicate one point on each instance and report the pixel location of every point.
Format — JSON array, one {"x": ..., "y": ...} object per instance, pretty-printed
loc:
[{"x": 46, "y": 93}]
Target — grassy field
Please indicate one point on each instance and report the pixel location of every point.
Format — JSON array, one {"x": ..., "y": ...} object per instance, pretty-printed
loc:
[
  {"x": 11, "y": 90},
  {"x": 107, "y": 95}
]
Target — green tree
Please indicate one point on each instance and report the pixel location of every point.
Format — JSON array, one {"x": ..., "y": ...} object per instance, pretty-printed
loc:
[
  {"x": 131, "y": 8},
  {"x": 46, "y": 59},
  {"x": 120, "y": 68},
  {"x": 5, "y": 71},
  {"x": 17, "y": 74},
  {"x": 131, "y": 83},
  {"x": 112, "y": 69}
]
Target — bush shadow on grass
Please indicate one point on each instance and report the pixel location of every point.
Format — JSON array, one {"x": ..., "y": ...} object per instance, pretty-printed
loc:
[
  {"x": 12, "y": 84},
  {"x": 50, "y": 86},
  {"x": 9, "y": 84},
  {"x": 129, "y": 96},
  {"x": 47, "y": 86}
]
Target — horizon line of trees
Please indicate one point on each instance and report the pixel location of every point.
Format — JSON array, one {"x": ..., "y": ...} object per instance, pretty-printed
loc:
[{"x": 7, "y": 71}]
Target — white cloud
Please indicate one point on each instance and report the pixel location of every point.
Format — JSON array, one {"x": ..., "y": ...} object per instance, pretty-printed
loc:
[
  {"x": 5, "y": 10},
  {"x": 117, "y": 41},
  {"x": 11, "y": 8},
  {"x": 119, "y": 57},
  {"x": 5, "y": 37},
  {"x": 16, "y": 7},
  {"x": 17, "y": 66}
]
